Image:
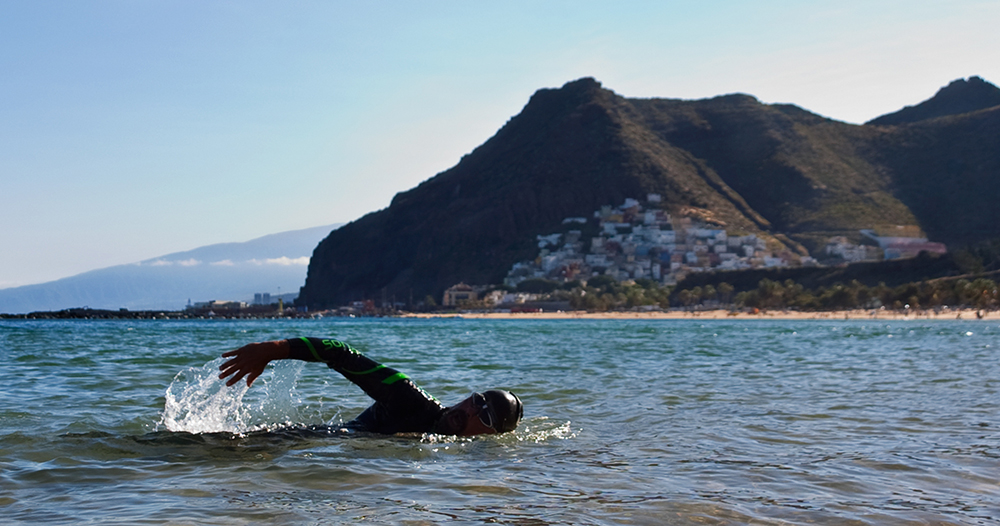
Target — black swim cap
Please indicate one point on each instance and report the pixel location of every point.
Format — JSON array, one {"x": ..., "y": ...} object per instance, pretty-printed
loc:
[{"x": 506, "y": 407}]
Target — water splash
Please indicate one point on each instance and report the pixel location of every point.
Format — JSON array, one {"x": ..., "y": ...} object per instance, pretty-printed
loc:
[
  {"x": 541, "y": 429},
  {"x": 198, "y": 402}
]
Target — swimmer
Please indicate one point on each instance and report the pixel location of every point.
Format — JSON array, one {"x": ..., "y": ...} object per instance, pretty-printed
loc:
[{"x": 400, "y": 405}]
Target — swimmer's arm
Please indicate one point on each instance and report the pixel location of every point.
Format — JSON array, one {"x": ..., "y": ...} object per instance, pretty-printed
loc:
[
  {"x": 334, "y": 353},
  {"x": 250, "y": 360},
  {"x": 375, "y": 379}
]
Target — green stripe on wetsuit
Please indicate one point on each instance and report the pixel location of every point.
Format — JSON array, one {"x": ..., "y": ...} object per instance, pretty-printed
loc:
[
  {"x": 312, "y": 350},
  {"x": 387, "y": 381},
  {"x": 369, "y": 371},
  {"x": 394, "y": 378}
]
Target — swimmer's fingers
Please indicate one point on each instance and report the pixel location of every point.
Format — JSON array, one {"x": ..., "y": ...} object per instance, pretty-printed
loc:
[
  {"x": 238, "y": 372},
  {"x": 247, "y": 361},
  {"x": 250, "y": 360}
]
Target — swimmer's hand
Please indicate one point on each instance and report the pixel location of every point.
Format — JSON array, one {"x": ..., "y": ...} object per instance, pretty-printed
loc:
[{"x": 250, "y": 360}]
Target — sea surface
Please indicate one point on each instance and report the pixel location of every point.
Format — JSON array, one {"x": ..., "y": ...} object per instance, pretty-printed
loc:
[{"x": 626, "y": 422}]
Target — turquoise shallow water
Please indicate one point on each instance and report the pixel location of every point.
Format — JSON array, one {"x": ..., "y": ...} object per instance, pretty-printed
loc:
[{"x": 626, "y": 422}]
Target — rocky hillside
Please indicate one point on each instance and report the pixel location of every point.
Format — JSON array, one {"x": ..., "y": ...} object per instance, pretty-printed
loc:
[{"x": 775, "y": 170}]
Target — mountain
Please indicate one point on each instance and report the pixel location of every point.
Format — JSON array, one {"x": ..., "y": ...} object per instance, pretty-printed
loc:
[
  {"x": 775, "y": 170},
  {"x": 958, "y": 97},
  {"x": 226, "y": 271},
  {"x": 947, "y": 172}
]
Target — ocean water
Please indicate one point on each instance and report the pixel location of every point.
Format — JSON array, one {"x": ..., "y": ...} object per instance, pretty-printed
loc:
[{"x": 626, "y": 422}]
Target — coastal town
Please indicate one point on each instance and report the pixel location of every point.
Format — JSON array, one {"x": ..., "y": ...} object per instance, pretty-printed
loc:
[
  {"x": 646, "y": 242},
  {"x": 640, "y": 241}
]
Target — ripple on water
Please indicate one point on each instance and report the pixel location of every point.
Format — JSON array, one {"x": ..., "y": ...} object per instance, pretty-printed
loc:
[{"x": 680, "y": 422}]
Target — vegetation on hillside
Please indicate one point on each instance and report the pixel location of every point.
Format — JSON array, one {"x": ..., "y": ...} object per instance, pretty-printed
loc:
[{"x": 979, "y": 293}]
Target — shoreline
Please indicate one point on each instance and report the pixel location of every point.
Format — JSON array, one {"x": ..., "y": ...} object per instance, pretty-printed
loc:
[
  {"x": 716, "y": 314},
  {"x": 721, "y": 314}
]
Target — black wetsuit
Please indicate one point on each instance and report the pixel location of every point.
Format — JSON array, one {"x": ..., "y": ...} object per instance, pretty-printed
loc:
[{"x": 400, "y": 405}]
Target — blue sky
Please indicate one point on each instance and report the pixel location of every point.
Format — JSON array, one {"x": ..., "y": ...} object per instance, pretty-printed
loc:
[{"x": 131, "y": 129}]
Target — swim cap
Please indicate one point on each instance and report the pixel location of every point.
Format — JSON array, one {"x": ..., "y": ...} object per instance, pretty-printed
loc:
[{"x": 506, "y": 407}]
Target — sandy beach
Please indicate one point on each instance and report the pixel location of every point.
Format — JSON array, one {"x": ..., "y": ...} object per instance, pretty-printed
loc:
[{"x": 721, "y": 314}]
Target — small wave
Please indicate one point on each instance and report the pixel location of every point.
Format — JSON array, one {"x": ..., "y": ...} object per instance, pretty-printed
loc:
[
  {"x": 541, "y": 429},
  {"x": 538, "y": 429}
]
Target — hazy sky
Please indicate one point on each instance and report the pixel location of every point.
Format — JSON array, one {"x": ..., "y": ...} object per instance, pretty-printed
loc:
[{"x": 134, "y": 128}]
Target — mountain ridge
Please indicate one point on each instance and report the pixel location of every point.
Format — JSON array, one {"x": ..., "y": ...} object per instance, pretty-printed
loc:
[
  {"x": 774, "y": 170},
  {"x": 958, "y": 97}
]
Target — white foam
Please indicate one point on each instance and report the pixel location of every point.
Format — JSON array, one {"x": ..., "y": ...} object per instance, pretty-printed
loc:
[{"x": 198, "y": 402}]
